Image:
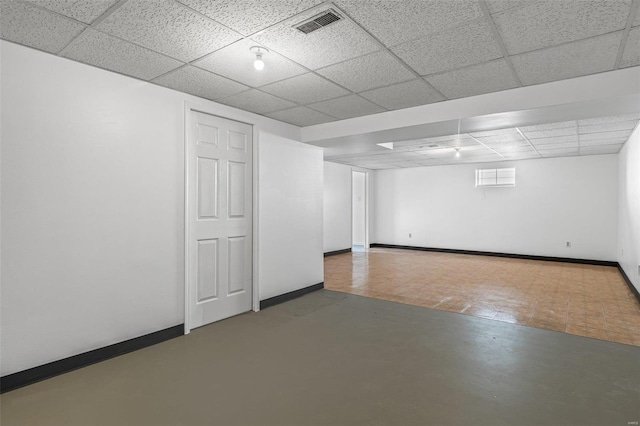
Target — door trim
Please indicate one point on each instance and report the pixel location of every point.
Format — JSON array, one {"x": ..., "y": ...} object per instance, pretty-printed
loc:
[
  {"x": 355, "y": 170},
  {"x": 192, "y": 107}
]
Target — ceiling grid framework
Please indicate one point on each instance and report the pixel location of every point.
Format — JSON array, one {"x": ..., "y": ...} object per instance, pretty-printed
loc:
[
  {"x": 383, "y": 55},
  {"x": 601, "y": 135}
]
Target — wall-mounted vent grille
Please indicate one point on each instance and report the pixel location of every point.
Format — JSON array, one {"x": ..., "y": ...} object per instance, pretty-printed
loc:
[
  {"x": 322, "y": 20},
  {"x": 496, "y": 177}
]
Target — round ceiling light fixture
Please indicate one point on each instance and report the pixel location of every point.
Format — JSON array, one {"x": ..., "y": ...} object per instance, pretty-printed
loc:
[{"x": 259, "y": 51}]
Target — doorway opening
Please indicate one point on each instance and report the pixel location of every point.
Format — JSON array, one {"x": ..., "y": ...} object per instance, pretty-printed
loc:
[{"x": 359, "y": 240}]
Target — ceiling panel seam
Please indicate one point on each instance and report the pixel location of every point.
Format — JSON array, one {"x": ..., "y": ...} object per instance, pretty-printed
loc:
[
  {"x": 383, "y": 47},
  {"x": 625, "y": 35},
  {"x": 93, "y": 25},
  {"x": 499, "y": 41}
]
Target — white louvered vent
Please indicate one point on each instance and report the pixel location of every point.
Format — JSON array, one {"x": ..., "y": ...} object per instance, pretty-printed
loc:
[
  {"x": 496, "y": 177},
  {"x": 322, "y": 20}
]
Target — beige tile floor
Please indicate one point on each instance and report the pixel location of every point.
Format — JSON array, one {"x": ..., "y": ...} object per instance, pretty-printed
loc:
[{"x": 586, "y": 300}]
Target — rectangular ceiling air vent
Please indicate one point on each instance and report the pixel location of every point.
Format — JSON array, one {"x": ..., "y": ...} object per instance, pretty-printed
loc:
[{"x": 322, "y": 20}]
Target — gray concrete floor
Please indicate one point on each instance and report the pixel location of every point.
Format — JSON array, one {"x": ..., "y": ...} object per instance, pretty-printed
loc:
[{"x": 337, "y": 359}]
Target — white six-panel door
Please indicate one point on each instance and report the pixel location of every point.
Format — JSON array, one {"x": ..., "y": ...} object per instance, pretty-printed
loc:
[{"x": 219, "y": 223}]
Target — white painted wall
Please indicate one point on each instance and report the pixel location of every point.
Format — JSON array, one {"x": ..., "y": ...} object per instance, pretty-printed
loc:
[
  {"x": 337, "y": 207},
  {"x": 629, "y": 208},
  {"x": 555, "y": 200},
  {"x": 92, "y": 206},
  {"x": 359, "y": 209},
  {"x": 290, "y": 215}
]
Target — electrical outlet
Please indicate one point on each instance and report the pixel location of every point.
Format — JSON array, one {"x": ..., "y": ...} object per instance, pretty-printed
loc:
[
  {"x": 409, "y": 235},
  {"x": 568, "y": 243}
]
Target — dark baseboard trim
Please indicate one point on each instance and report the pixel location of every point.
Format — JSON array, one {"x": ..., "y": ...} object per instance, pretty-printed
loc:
[
  {"x": 509, "y": 255},
  {"x": 632, "y": 287},
  {"x": 333, "y": 253},
  {"x": 55, "y": 368},
  {"x": 291, "y": 295}
]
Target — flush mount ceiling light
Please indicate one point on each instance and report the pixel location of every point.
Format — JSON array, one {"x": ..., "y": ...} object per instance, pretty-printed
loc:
[{"x": 259, "y": 51}]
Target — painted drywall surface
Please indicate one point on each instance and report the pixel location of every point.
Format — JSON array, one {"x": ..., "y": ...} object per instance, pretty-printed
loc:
[
  {"x": 629, "y": 208},
  {"x": 337, "y": 207},
  {"x": 92, "y": 206},
  {"x": 290, "y": 215},
  {"x": 554, "y": 201},
  {"x": 358, "y": 201}
]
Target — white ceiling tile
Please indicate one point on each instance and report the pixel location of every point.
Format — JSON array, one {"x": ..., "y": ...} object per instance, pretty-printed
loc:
[
  {"x": 409, "y": 164},
  {"x": 451, "y": 140},
  {"x": 568, "y": 60},
  {"x": 607, "y": 127},
  {"x": 454, "y": 48},
  {"x": 631, "y": 55},
  {"x": 513, "y": 148},
  {"x": 496, "y": 6},
  {"x": 301, "y": 116},
  {"x": 236, "y": 61},
  {"x": 384, "y": 18},
  {"x": 603, "y": 149},
  {"x": 35, "y": 27},
  {"x": 256, "y": 101},
  {"x": 509, "y": 132},
  {"x": 522, "y": 155},
  {"x": 250, "y": 16},
  {"x": 105, "y": 51},
  {"x": 552, "y": 22},
  {"x": 412, "y": 145},
  {"x": 548, "y": 126},
  {"x": 430, "y": 162},
  {"x": 347, "y": 107},
  {"x": 484, "y": 159},
  {"x": 169, "y": 28},
  {"x": 366, "y": 72},
  {"x": 610, "y": 119},
  {"x": 403, "y": 95},
  {"x": 305, "y": 88},
  {"x": 200, "y": 83},
  {"x": 467, "y": 151},
  {"x": 82, "y": 10},
  {"x": 561, "y": 152},
  {"x": 605, "y": 135},
  {"x": 557, "y": 145},
  {"x": 602, "y": 142},
  {"x": 475, "y": 80},
  {"x": 504, "y": 142},
  {"x": 553, "y": 133},
  {"x": 505, "y": 145},
  {"x": 573, "y": 139},
  {"x": 326, "y": 46}
]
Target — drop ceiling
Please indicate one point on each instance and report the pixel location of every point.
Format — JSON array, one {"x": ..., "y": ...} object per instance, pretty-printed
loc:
[
  {"x": 383, "y": 55},
  {"x": 600, "y": 135}
]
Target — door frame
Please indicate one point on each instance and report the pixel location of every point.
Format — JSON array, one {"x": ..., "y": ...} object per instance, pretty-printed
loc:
[
  {"x": 188, "y": 121},
  {"x": 366, "y": 204}
]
